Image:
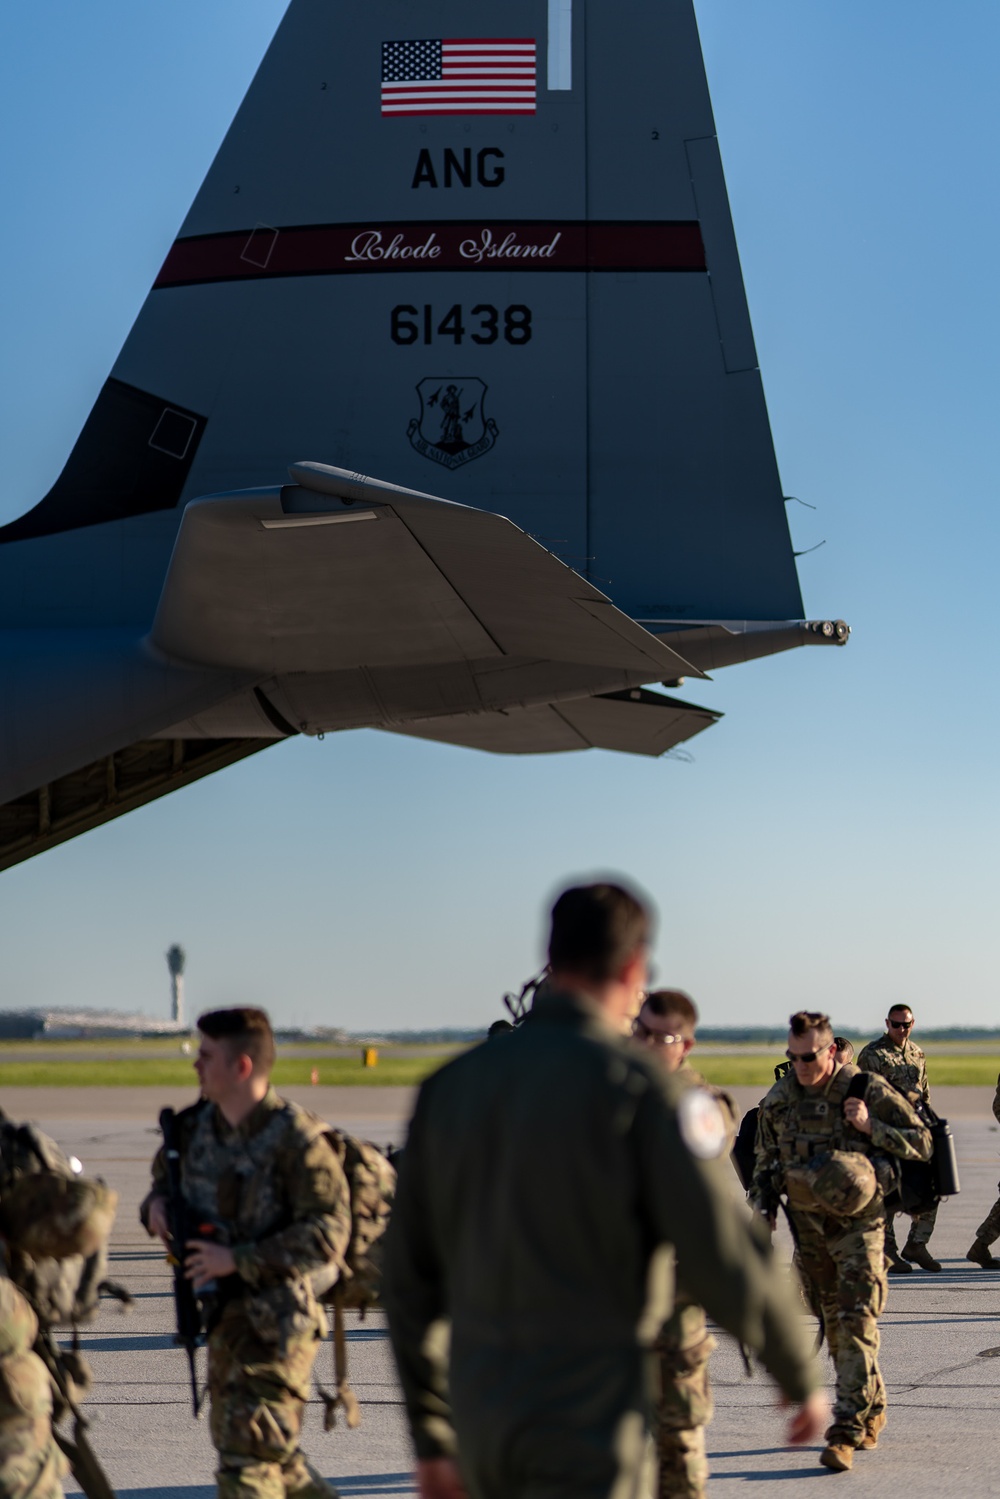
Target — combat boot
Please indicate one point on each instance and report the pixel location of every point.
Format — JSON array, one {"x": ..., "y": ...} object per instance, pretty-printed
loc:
[
  {"x": 837, "y": 1456},
  {"x": 873, "y": 1426},
  {"x": 979, "y": 1254},
  {"x": 919, "y": 1254},
  {"x": 893, "y": 1263}
]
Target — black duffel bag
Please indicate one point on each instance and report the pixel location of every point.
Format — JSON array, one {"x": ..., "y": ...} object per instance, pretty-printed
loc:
[{"x": 921, "y": 1184}]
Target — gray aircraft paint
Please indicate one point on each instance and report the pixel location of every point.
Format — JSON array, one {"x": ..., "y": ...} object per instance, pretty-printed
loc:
[{"x": 537, "y": 314}]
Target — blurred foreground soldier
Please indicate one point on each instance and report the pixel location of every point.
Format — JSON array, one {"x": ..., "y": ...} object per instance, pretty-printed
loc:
[
  {"x": 989, "y": 1230},
  {"x": 666, "y": 1026},
  {"x": 901, "y": 1062},
  {"x": 54, "y": 1227},
  {"x": 825, "y": 1135},
  {"x": 263, "y": 1175},
  {"x": 544, "y": 1179}
]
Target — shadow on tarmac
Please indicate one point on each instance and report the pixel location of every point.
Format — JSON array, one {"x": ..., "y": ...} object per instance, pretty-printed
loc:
[{"x": 359, "y": 1484}]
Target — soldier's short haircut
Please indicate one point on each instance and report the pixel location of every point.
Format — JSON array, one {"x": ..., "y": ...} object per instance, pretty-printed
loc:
[
  {"x": 895, "y": 1009},
  {"x": 842, "y": 1044},
  {"x": 596, "y": 929},
  {"x": 246, "y": 1032},
  {"x": 804, "y": 1021},
  {"x": 664, "y": 1002}
]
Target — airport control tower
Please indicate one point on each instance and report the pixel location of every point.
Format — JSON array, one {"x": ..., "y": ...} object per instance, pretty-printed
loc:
[{"x": 176, "y": 959}]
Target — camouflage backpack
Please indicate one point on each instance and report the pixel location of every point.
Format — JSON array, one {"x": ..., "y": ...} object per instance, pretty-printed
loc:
[
  {"x": 371, "y": 1179},
  {"x": 56, "y": 1224}
]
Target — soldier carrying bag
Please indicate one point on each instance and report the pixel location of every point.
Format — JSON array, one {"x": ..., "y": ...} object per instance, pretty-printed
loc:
[{"x": 55, "y": 1226}]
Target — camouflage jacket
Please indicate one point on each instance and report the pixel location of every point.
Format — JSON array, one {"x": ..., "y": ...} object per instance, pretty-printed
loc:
[
  {"x": 996, "y": 1102},
  {"x": 904, "y": 1066},
  {"x": 54, "y": 1225},
  {"x": 792, "y": 1122},
  {"x": 272, "y": 1186}
]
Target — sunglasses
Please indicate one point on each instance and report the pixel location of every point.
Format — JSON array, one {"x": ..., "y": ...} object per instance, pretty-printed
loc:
[
  {"x": 805, "y": 1056},
  {"x": 900, "y": 1025},
  {"x": 658, "y": 1038}
]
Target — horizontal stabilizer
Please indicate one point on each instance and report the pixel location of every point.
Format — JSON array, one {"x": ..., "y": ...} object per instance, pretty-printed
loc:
[
  {"x": 712, "y": 644},
  {"x": 304, "y": 580},
  {"x": 636, "y": 722}
]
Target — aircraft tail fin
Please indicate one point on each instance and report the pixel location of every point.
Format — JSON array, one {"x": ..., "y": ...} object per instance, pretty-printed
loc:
[{"x": 524, "y": 295}]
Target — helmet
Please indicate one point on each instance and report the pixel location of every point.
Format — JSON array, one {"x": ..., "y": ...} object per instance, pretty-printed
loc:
[{"x": 843, "y": 1181}]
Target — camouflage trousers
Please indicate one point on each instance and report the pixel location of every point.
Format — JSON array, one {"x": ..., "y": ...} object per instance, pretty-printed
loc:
[
  {"x": 683, "y": 1404},
  {"x": 843, "y": 1263},
  {"x": 989, "y": 1229},
  {"x": 921, "y": 1227},
  {"x": 31, "y": 1465},
  {"x": 258, "y": 1397}
]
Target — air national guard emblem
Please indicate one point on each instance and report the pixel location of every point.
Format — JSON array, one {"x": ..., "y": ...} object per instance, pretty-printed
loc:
[{"x": 451, "y": 428}]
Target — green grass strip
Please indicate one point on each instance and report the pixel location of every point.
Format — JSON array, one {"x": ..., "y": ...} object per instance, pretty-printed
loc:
[{"x": 178, "y": 1073}]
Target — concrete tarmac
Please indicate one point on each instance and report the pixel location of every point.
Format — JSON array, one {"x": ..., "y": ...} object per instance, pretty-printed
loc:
[{"x": 940, "y": 1338}]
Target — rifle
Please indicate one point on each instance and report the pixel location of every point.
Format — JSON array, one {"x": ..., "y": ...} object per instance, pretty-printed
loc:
[
  {"x": 186, "y": 1308},
  {"x": 81, "y": 1456},
  {"x": 770, "y": 1206}
]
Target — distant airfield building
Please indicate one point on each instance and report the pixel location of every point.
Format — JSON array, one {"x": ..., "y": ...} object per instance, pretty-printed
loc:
[{"x": 78, "y": 1025}]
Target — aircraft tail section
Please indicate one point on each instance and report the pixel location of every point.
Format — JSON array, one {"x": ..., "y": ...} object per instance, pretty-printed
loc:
[{"x": 500, "y": 267}]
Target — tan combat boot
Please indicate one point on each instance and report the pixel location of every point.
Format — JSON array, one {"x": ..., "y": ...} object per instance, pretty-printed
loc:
[
  {"x": 874, "y": 1425},
  {"x": 919, "y": 1254},
  {"x": 979, "y": 1254},
  {"x": 837, "y": 1456}
]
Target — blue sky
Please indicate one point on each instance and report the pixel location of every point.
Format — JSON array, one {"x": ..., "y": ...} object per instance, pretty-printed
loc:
[{"x": 833, "y": 840}]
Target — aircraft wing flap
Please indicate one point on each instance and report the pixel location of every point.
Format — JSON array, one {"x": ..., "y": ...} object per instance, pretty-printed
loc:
[
  {"x": 259, "y": 583},
  {"x": 634, "y": 722},
  {"x": 557, "y": 613}
]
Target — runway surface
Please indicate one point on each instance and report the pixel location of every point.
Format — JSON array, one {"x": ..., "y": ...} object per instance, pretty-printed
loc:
[{"x": 940, "y": 1348}]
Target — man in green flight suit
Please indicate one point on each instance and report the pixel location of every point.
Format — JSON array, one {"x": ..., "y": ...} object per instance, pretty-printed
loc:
[
  {"x": 544, "y": 1183},
  {"x": 896, "y": 1057},
  {"x": 666, "y": 1026},
  {"x": 824, "y": 1135},
  {"x": 264, "y": 1174}
]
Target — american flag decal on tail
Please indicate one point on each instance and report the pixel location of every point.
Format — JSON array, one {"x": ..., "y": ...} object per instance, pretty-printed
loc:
[{"x": 482, "y": 76}]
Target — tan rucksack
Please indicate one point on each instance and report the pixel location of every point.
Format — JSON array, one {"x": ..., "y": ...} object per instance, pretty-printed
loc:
[{"x": 372, "y": 1182}]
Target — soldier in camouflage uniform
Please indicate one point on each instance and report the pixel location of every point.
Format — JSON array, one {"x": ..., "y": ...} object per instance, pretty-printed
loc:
[
  {"x": 666, "y": 1025},
  {"x": 989, "y": 1230},
  {"x": 264, "y": 1173},
  {"x": 901, "y": 1062},
  {"x": 54, "y": 1227},
  {"x": 30, "y": 1462},
  {"x": 823, "y": 1139}
]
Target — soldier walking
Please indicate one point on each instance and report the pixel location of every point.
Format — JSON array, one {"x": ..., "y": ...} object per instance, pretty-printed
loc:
[
  {"x": 55, "y": 1225},
  {"x": 824, "y": 1134},
  {"x": 263, "y": 1174},
  {"x": 666, "y": 1026},
  {"x": 896, "y": 1057}
]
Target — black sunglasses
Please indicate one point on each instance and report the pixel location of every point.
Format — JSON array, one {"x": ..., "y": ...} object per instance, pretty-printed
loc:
[
  {"x": 900, "y": 1025},
  {"x": 805, "y": 1056}
]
